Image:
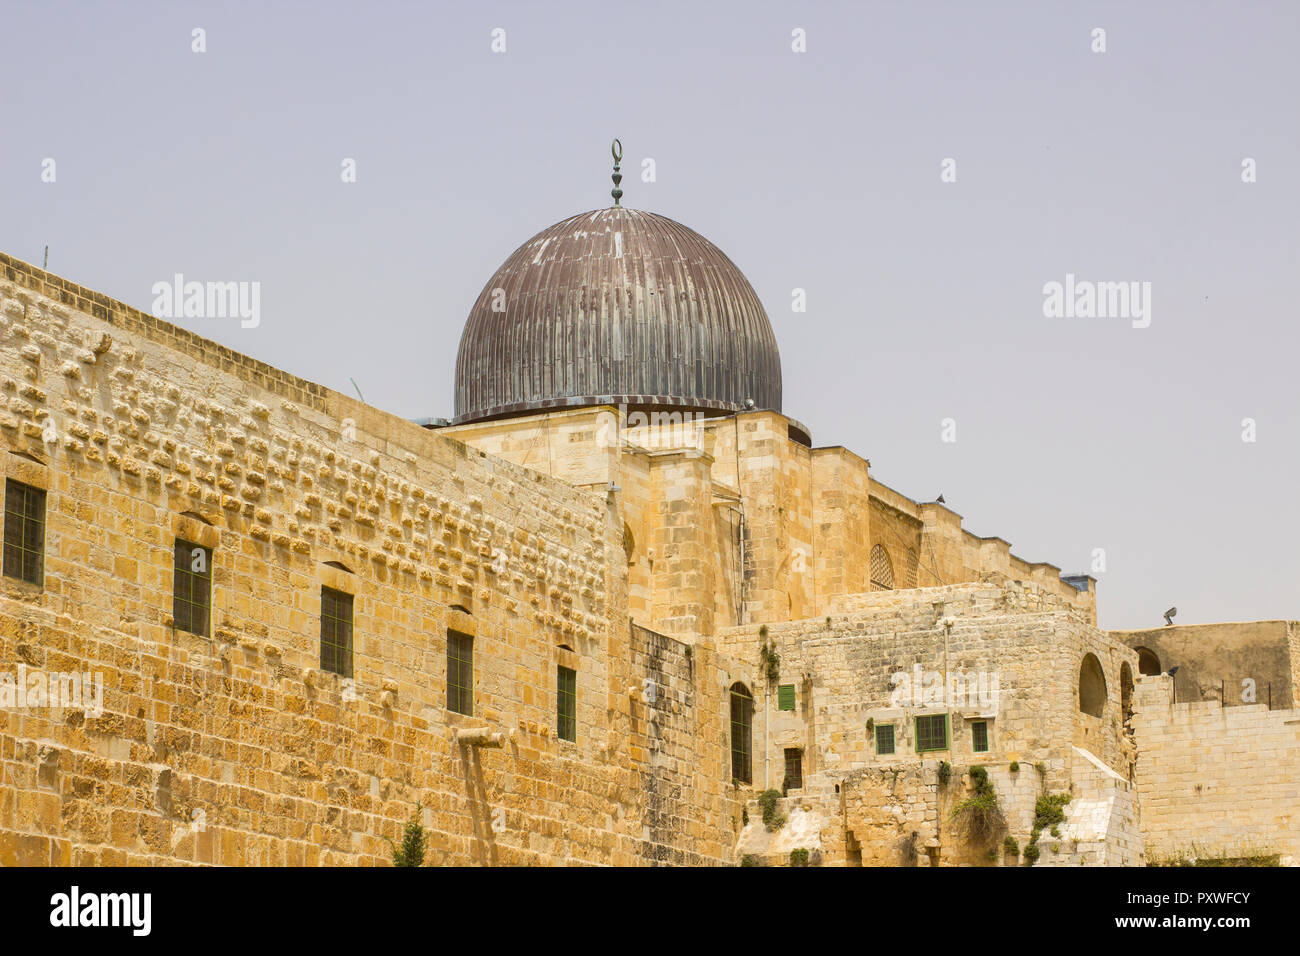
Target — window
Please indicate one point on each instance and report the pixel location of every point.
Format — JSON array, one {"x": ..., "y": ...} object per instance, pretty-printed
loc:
[
  {"x": 191, "y": 588},
  {"x": 742, "y": 725},
  {"x": 979, "y": 736},
  {"x": 336, "y": 632},
  {"x": 884, "y": 739},
  {"x": 460, "y": 673},
  {"x": 793, "y": 768},
  {"x": 1092, "y": 686},
  {"x": 882, "y": 570},
  {"x": 785, "y": 697},
  {"x": 932, "y": 732},
  {"x": 24, "y": 532},
  {"x": 566, "y": 703}
]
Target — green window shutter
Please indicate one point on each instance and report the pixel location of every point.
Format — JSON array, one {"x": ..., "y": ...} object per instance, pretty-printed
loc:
[
  {"x": 785, "y": 697},
  {"x": 931, "y": 732}
]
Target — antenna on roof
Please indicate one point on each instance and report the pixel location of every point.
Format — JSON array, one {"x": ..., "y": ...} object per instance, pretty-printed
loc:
[
  {"x": 46, "y": 265},
  {"x": 617, "y": 149},
  {"x": 354, "y": 385}
]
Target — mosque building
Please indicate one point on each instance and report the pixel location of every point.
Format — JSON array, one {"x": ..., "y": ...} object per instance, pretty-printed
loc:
[{"x": 620, "y": 609}]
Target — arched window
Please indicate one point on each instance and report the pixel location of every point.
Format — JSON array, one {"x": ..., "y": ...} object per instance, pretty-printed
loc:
[
  {"x": 1148, "y": 662},
  {"x": 1126, "y": 690},
  {"x": 1092, "y": 686},
  {"x": 742, "y": 728},
  {"x": 912, "y": 565},
  {"x": 882, "y": 570}
]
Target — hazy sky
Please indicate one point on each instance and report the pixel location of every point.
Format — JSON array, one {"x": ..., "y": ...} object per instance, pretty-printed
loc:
[{"x": 816, "y": 170}]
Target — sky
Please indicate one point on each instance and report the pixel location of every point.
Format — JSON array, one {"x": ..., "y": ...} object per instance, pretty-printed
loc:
[{"x": 1163, "y": 445}]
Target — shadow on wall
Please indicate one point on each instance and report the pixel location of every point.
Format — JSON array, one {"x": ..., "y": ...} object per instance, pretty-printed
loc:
[{"x": 484, "y": 850}]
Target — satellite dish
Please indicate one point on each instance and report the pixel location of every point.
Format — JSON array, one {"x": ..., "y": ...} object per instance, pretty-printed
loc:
[{"x": 1169, "y": 616}]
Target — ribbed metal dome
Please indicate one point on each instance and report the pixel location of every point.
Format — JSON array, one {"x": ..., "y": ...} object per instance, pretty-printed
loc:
[{"x": 616, "y": 306}]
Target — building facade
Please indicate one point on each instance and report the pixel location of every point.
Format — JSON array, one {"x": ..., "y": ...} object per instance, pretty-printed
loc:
[{"x": 593, "y": 619}]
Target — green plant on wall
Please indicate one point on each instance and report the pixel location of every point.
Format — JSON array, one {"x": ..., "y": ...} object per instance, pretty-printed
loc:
[
  {"x": 945, "y": 773},
  {"x": 980, "y": 813},
  {"x": 767, "y": 801},
  {"x": 1049, "y": 811},
  {"x": 799, "y": 857}
]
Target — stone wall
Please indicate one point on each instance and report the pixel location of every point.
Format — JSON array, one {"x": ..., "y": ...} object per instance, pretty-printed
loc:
[
  {"x": 812, "y": 516},
  {"x": 235, "y": 747},
  {"x": 1235, "y": 663},
  {"x": 1012, "y": 655},
  {"x": 1216, "y": 781},
  {"x": 679, "y": 732}
]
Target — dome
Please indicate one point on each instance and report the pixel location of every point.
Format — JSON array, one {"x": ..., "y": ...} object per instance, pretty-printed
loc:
[{"x": 616, "y": 306}]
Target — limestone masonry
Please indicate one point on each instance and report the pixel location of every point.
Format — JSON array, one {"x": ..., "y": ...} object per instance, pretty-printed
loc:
[{"x": 637, "y": 620}]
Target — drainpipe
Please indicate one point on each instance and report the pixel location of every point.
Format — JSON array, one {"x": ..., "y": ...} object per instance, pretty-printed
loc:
[
  {"x": 741, "y": 615},
  {"x": 767, "y": 725}
]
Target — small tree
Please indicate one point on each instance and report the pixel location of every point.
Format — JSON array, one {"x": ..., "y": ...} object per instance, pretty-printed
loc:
[{"x": 414, "y": 842}]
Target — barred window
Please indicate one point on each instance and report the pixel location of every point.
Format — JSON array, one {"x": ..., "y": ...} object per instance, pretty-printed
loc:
[
  {"x": 884, "y": 739},
  {"x": 460, "y": 673},
  {"x": 979, "y": 736},
  {"x": 24, "y": 556},
  {"x": 336, "y": 632},
  {"x": 882, "y": 570},
  {"x": 932, "y": 732},
  {"x": 742, "y": 726},
  {"x": 793, "y": 768},
  {"x": 566, "y": 703},
  {"x": 191, "y": 587}
]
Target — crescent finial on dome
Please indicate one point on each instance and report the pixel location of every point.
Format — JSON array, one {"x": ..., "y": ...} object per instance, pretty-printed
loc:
[{"x": 617, "y": 149}]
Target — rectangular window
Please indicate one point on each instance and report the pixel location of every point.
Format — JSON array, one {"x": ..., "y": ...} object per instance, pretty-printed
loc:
[
  {"x": 932, "y": 732},
  {"x": 785, "y": 697},
  {"x": 336, "y": 632},
  {"x": 460, "y": 673},
  {"x": 884, "y": 739},
  {"x": 793, "y": 768},
  {"x": 566, "y": 703},
  {"x": 742, "y": 726},
  {"x": 979, "y": 736},
  {"x": 24, "y": 557},
  {"x": 191, "y": 588}
]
